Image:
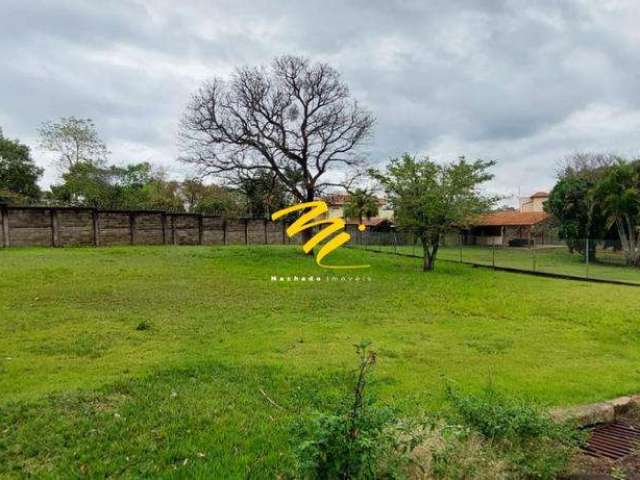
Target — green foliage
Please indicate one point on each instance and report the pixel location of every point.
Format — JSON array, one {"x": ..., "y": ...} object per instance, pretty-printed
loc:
[
  {"x": 212, "y": 199},
  {"x": 163, "y": 195},
  {"x": 362, "y": 204},
  {"x": 18, "y": 173},
  {"x": 75, "y": 140},
  {"x": 516, "y": 431},
  {"x": 593, "y": 194},
  {"x": 431, "y": 199},
  {"x": 143, "y": 325},
  {"x": 88, "y": 184},
  {"x": 572, "y": 202},
  {"x": 264, "y": 193},
  {"x": 618, "y": 195},
  {"x": 359, "y": 440}
]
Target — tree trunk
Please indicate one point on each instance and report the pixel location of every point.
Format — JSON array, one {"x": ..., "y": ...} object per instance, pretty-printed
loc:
[
  {"x": 429, "y": 253},
  {"x": 307, "y": 234}
]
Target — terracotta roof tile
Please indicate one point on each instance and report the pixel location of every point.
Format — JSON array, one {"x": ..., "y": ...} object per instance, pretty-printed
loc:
[
  {"x": 540, "y": 195},
  {"x": 510, "y": 219}
]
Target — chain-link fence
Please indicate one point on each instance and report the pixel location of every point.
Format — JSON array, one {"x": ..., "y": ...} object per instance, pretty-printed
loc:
[{"x": 587, "y": 258}]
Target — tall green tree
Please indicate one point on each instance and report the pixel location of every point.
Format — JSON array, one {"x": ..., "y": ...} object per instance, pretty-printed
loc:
[
  {"x": 162, "y": 194},
  {"x": 212, "y": 199},
  {"x": 431, "y": 199},
  {"x": 264, "y": 193},
  {"x": 88, "y": 184},
  {"x": 618, "y": 195},
  {"x": 74, "y": 140},
  {"x": 361, "y": 204},
  {"x": 18, "y": 173},
  {"x": 573, "y": 204}
]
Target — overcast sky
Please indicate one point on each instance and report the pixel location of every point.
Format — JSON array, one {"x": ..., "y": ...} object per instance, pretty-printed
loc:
[{"x": 520, "y": 83}]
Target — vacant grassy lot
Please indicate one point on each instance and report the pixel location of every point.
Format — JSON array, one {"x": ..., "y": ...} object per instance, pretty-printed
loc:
[
  {"x": 546, "y": 259},
  {"x": 84, "y": 392}
]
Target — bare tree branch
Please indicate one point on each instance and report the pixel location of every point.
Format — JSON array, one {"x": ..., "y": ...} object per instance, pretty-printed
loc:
[{"x": 295, "y": 119}]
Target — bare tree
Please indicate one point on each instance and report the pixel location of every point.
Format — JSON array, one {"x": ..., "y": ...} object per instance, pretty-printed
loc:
[
  {"x": 295, "y": 119},
  {"x": 585, "y": 164},
  {"x": 75, "y": 140}
]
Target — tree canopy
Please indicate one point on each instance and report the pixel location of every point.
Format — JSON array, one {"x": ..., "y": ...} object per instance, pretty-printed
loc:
[
  {"x": 75, "y": 140},
  {"x": 594, "y": 194},
  {"x": 294, "y": 119},
  {"x": 18, "y": 173},
  {"x": 362, "y": 204},
  {"x": 430, "y": 199}
]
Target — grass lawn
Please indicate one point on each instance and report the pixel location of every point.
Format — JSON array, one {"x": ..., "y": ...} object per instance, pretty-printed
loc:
[
  {"x": 85, "y": 393},
  {"x": 546, "y": 259}
]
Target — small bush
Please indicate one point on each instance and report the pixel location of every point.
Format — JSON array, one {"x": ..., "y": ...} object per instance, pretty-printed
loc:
[
  {"x": 360, "y": 440},
  {"x": 514, "y": 431},
  {"x": 143, "y": 325}
]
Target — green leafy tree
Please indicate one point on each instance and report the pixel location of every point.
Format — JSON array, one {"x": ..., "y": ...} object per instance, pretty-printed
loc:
[
  {"x": 18, "y": 173},
  {"x": 75, "y": 140},
  {"x": 212, "y": 199},
  {"x": 164, "y": 195},
  {"x": 88, "y": 184},
  {"x": 362, "y": 204},
  {"x": 264, "y": 194},
  {"x": 618, "y": 194},
  {"x": 431, "y": 199},
  {"x": 573, "y": 205}
]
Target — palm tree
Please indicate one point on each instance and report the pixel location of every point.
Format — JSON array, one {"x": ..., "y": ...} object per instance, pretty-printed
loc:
[
  {"x": 362, "y": 203},
  {"x": 619, "y": 196}
]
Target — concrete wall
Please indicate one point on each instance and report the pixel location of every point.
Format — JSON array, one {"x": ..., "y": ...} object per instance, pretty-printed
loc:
[{"x": 61, "y": 227}]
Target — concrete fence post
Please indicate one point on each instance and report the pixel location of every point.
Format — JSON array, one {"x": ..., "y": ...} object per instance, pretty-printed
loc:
[
  {"x": 55, "y": 228},
  {"x": 4, "y": 219},
  {"x": 95, "y": 220},
  {"x": 163, "y": 224},
  {"x": 266, "y": 233},
  {"x": 224, "y": 232},
  {"x": 132, "y": 228},
  {"x": 246, "y": 231},
  {"x": 200, "y": 229},
  {"x": 284, "y": 233},
  {"x": 174, "y": 240}
]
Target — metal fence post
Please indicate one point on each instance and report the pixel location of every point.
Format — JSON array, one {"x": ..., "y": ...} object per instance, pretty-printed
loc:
[
  {"x": 460, "y": 245},
  {"x": 533, "y": 244},
  {"x": 493, "y": 254}
]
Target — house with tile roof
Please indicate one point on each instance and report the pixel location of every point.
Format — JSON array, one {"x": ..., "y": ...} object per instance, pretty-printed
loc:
[
  {"x": 525, "y": 226},
  {"x": 336, "y": 203}
]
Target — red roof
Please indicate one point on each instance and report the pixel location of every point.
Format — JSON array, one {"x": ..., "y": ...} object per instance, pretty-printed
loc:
[
  {"x": 496, "y": 219},
  {"x": 540, "y": 195}
]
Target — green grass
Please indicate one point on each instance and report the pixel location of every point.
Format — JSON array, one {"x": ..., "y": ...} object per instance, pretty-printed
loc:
[
  {"x": 546, "y": 259},
  {"x": 86, "y": 391}
]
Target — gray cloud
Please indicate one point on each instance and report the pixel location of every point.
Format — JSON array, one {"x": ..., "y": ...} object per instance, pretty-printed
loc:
[{"x": 521, "y": 82}]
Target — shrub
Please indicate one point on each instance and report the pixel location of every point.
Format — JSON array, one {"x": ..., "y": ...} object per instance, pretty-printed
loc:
[
  {"x": 360, "y": 440},
  {"x": 143, "y": 325},
  {"x": 515, "y": 431}
]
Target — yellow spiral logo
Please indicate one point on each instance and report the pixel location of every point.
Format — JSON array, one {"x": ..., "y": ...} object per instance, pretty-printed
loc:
[{"x": 306, "y": 221}]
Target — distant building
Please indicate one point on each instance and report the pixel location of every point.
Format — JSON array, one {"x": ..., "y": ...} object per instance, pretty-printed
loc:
[
  {"x": 528, "y": 225},
  {"x": 534, "y": 203},
  {"x": 336, "y": 203}
]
